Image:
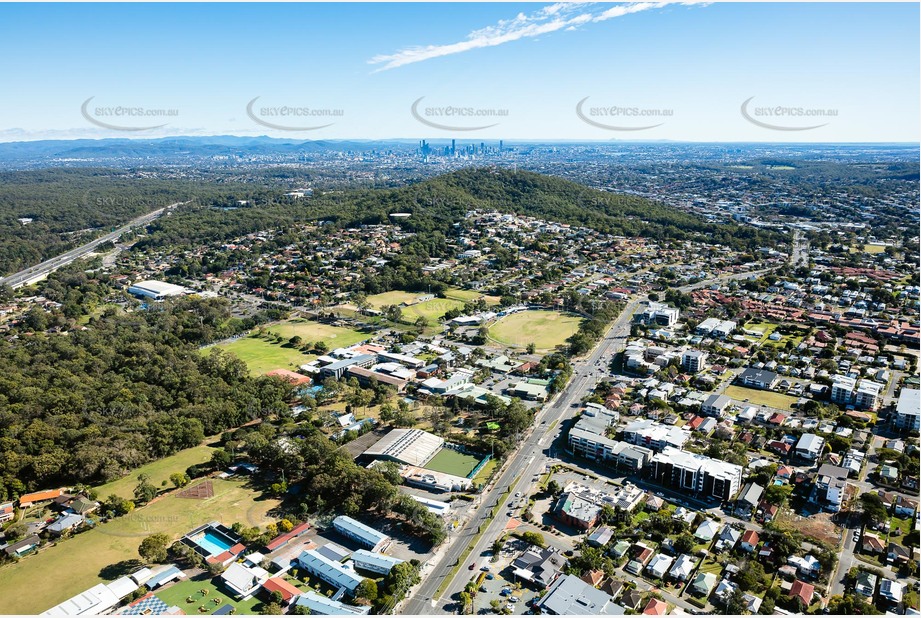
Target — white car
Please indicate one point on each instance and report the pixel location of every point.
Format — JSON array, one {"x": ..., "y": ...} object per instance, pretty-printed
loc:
[{"x": 510, "y": 607}]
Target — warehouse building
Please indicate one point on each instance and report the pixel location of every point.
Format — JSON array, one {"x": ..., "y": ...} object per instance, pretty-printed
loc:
[
  {"x": 412, "y": 447},
  {"x": 157, "y": 290}
]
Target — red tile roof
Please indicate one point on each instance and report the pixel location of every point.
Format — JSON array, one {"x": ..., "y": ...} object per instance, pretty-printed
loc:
[
  {"x": 39, "y": 496},
  {"x": 282, "y": 539},
  {"x": 277, "y": 584},
  {"x": 655, "y": 607},
  {"x": 802, "y": 591}
]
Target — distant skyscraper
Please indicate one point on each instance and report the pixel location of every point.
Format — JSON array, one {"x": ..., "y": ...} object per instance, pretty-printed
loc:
[
  {"x": 500, "y": 145},
  {"x": 452, "y": 148}
]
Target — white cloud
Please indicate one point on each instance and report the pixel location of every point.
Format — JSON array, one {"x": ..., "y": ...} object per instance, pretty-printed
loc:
[{"x": 551, "y": 18}]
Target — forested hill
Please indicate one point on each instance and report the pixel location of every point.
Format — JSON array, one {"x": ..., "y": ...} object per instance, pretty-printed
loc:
[
  {"x": 437, "y": 203},
  {"x": 569, "y": 202}
]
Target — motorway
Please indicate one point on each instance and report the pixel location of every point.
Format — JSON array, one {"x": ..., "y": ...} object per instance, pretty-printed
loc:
[
  {"x": 40, "y": 271},
  {"x": 518, "y": 475}
]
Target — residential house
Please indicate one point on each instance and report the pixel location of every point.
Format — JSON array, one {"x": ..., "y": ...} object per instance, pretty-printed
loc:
[
  {"x": 727, "y": 538},
  {"x": 702, "y": 584},
  {"x": 7, "y": 511},
  {"x": 749, "y": 540},
  {"x": 803, "y": 592},
  {"x": 706, "y": 530},
  {"x": 655, "y": 607},
  {"x": 891, "y": 590},
  {"x": 682, "y": 568},
  {"x": 872, "y": 544},
  {"x": 659, "y": 565},
  {"x": 865, "y": 584}
]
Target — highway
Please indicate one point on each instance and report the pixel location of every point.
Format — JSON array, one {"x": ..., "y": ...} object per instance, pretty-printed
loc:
[
  {"x": 518, "y": 475},
  {"x": 40, "y": 271}
]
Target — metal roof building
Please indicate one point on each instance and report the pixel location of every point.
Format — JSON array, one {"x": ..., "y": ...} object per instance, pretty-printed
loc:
[
  {"x": 357, "y": 531},
  {"x": 407, "y": 446},
  {"x": 331, "y": 572},
  {"x": 156, "y": 289},
  {"x": 322, "y": 606},
  {"x": 374, "y": 561},
  {"x": 570, "y": 596}
]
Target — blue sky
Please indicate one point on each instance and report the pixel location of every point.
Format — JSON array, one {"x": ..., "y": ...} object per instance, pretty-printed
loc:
[{"x": 686, "y": 68}]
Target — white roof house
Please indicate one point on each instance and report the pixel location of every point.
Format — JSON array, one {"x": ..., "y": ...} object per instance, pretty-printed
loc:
[
  {"x": 244, "y": 581},
  {"x": 659, "y": 565}
]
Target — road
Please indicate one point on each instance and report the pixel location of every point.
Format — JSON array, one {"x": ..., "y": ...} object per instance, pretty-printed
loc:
[
  {"x": 518, "y": 475},
  {"x": 40, "y": 271},
  {"x": 523, "y": 467},
  {"x": 800, "y": 254}
]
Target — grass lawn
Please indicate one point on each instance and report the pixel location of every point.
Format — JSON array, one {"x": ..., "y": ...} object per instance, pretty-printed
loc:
[
  {"x": 462, "y": 295},
  {"x": 84, "y": 558},
  {"x": 711, "y": 567},
  {"x": 216, "y": 597},
  {"x": 485, "y": 471},
  {"x": 545, "y": 329},
  {"x": 765, "y": 328},
  {"x": 869, "y": 248},
  {"x": 760, "y": 398},
  {"x": 261, "y": 356},
  {"x": 308, "y": 330},
  {"x": 898, "y": 528},
  {"x": 449, "y": 461},
  {"x": 395, "y": 297},
  {"x": 158, "y": 471},
  {"x": 431, "y": 310}
]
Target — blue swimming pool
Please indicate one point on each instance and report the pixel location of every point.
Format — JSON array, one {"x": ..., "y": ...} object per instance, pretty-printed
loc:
[{"x": 213, "y": 543}]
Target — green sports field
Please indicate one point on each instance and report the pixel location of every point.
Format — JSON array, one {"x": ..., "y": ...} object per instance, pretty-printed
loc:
[
  {"x": 55, "y": 574},
  {"x": 449, "y": 461},
  {"x": 760, "y": 398},
  {"x": 262, "y": 356},
  {"x": 431, "y": 310},
  {"x": 333, "y": 336},
  {"x": 545, "y": 329},
  {"x": 394, "y": 297}
]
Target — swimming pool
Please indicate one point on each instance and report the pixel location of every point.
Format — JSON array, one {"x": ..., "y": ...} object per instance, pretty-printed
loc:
[{"x": 213, "y": 543}]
